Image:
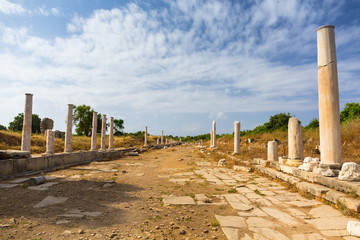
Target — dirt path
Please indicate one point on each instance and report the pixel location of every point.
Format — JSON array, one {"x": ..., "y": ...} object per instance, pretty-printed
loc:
[{"x": 173, "y": 193}]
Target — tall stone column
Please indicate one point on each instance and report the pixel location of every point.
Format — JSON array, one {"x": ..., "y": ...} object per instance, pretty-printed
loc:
[
  {"x": 94, "y": 132},
  {"x": 166, "y": 141},
  {"x": 211, "y": 138},
  {"x": 157, "y": 141},
  {"x": 103, "y": 133},
  {"x": 68, "y": 131},
  {"x": 272, "y": 151},
  {"x": 145, "y": 137},
  {"x": 295, "y": 141},
  {"x": 26, "y": 131},
  {"x": 111, "y": 134},
  {"x": 329, "y": 116},
  {"x": 236, "y": 137},
  {"x": 162, "y": 136},
  {"x": 50, "y": 141},
  {"x": 214, "y": 134}
]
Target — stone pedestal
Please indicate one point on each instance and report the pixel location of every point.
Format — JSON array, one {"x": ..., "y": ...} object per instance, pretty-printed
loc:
[
  {"x": 103, "y": 133},
  {"x": 111, "y": 134},
  {"x": 329, "y": 117},
  {"x": 50, "y": 141},
  {"x": 162, "y": 136},
  {"x": 295, "y": 141},
  {"x": 26, "y": 131},
  {"x": 94, "y": 132},
  {"x": 272, "y": 151},
  {"x": 145, "y": 137},
  {"x": 68, "y": 131},
  {"x": 236, "y": 137}
]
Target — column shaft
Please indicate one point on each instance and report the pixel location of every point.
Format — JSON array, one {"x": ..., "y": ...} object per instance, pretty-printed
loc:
[
  {"x": 111, "y": 134},
  {"x": 26, "y": 131},
  {"x": 236, "y": 137},
  {"x": 103, "y": 133},
  {"x": 94, "y": 132},
  {"x": 68, "y": 131}
]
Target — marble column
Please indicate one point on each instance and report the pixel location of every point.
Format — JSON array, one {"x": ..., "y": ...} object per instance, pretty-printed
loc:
[
  {"x": 145, "y": 137},
  {"x": 295, "y": 143},
  {"x": 329, "y": 116},
  {"x": 68, "y": 131},
  {"x": 50, "y": 141},
  {"x": 111, "y": 134},
  {"x": 272, "y": 151},
  {"x": 211, "y": 138},
  {"x": 94, "y": 132},
  {"x": 157, "y": 141},
  {"x": 180, "y": 140},
  {"x": 103, "y": 133},
  {"x": 166, "y": 141},
  {"x": 162, "y": 136},
  {"x": 236, "y": 137},
  {"x": 26, "y": 131},
  {"x": 214, "y": 134}
]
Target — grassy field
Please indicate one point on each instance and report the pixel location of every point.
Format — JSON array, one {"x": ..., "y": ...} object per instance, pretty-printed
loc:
[{"x": 12, "y": 140}]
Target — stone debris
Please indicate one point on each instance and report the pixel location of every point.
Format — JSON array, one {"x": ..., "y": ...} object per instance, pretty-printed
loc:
[
  {"x": 350, "y": 171},
  {"x": 50, "y": 200},
  {"x": 353, "y": 228},
  {"x": 222, "y": 162},
  {"x": 309, "y": 164}
]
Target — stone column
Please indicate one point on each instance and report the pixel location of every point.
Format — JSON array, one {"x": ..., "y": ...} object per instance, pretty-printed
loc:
[
  {"x": 180, "y": 140},
  {"x": 50, "y": 141},
  {"x": 68, "y": 131},
  {"x": 166, "y": 141},
  {"x": 145, "y": 137},
  {"x": 236, "y": 137},
  {"x": 295, "y": 143},
  {"x": 26, "y": 131},
  {"x": 111, "y": 134},
  {"x": 103, "y": 133},
  {"x": 157, "y": 141},
  {"x": 94, "y": 132},
  {"x": 272, "y": 151},
  {"x": 214, "y": 134},
  {"x": 329, "y": 116},
  {"x": 211, "y": 138},
  {"x": 162, "y": 136}
]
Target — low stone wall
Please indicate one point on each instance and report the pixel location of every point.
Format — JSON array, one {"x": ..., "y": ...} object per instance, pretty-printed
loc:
[{"x": 24, "y": 166}]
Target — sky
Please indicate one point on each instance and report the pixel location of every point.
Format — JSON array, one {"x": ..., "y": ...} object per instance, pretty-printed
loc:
[{"x": 173, "y": 65}]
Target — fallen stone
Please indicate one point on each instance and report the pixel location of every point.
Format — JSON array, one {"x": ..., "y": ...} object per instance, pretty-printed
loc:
[
  {"x": 13, "y": 154},
  {"x": 350, "y": 171},
  {"x": 172, "y": 200},
  {"x": 353, "y": 227},
  {"x": 50, "y": 200}
]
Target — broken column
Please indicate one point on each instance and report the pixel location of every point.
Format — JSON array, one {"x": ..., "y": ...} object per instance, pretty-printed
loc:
[
  {"x": 94, "y": 132},
  {"x": 272, "y": 154},
  {"x": 162, "y": 136},
  {"x": 236, "y": 137},
  {"x": 50, "y": 141},
  {"x": 103, "y": 133},
  {"x": 145, "y": 137},
  {"x": 111, "y": 134},
  {"x": 68, "y": 131},
  {"x": 214, "y": 134},
  {"x": 157, "y": 141},
  {"x": 26, "y": 131},
  {"x": 295, "y": 143},
  {"x": 329, "y": 117}
]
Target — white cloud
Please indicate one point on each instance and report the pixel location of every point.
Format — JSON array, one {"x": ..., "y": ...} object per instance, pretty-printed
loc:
[{"x": 7, "y": 7}]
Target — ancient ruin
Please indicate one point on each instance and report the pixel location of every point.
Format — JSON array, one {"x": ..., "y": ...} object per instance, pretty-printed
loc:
[
  {"x": 94, "y": 132},
  {"x": 236, "y": 137},
  {"x": 50, "y": 141},
  {"x": 111, "y": 134},
  {"x": 103, "y": 133},
  {"x": 26, "y": 131},
  {"x": 68, "y": 130},
  {"x": 45, "y": 124}
]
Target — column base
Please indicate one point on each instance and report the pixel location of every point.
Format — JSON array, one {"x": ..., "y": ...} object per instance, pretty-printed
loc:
[{"x": 294, "y": 162}]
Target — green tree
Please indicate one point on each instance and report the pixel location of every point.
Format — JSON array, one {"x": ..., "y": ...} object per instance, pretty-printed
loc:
[
  {"x": 313, "y": 124},
  {"x": 17, "y": 124},
  {"x": 2, "y": 127},
  {"x": 83, "y": 119},
  {"x": 350, "y": 111},
  {"x": 118, "y": 127},
  {"x": 278, "y": 121}
]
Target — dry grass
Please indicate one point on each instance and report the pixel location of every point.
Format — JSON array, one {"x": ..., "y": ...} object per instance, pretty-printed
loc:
[{"x": 12, "y": 140}]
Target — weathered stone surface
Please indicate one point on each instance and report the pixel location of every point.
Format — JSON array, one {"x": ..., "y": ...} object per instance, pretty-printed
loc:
[
  {"x": 256, "y": 212},
  {"x": 13, "y": 154},
  {"x": 309, "y": 164},
  {"x": 45, "y": 124},
  {"x": 333, "y": 223},
  {"x": 281, "y": 216},
  {"x": 231, "y": 233},
  {"x": 324, "y": 211},
  {"x": 43, "y": 187},
  {"x": 183, "y": 200},
  {"x": 350, "y": 171},
  {"x": 270, "y": 233},
  {"x": 353, "y": 227},
  {"x": 307, "y": 236},
  {"x": 259, "y": 222},
  {"x": 231, "y": 221},
  {"x": 334, "y": 233},
  {"x": 8, "y": 185},
  {"x": 50, "y": 200},
  {"x": 59, "y": 134}
]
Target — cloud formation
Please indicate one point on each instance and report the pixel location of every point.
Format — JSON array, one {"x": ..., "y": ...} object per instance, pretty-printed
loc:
[{"x": 208, "y": 57}]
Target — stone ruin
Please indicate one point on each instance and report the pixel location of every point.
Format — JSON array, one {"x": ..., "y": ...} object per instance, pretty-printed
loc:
[{"x": 45, "y": 124}]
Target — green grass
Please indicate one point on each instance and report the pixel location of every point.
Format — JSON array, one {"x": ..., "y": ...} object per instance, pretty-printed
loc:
[
  {"x": 258, "y": 192},
  {"x": 215, "y": 223},
  {"x": 233, "y": 190}
]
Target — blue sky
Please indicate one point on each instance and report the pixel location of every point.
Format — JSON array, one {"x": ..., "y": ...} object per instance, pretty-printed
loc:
[{"x": 173, "y": 65}]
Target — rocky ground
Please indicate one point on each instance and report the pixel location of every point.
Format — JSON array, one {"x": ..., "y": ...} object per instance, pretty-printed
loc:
[{"x": 173, "y": 193}]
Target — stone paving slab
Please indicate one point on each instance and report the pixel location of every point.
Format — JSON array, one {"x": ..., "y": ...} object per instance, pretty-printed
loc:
[
  {"x": 50, "y": 200},
  {"x": 231, "y": 233},
  {"x": 256, "y": 212},
  {"x": 324, "y": 211},
  {"x": 333, "y": 223},
  {"x": 183, "y": 200},
  {"x": 279, "y": 215},
  {"x": 43, "y": 187},
  {"x": 303, "y": 203},
  {"x": 231, "y": 221},
  {"x": 308, "y": 236},
  {"x": 259, "y": 222},
  {"x": 8, "y": 185},
  {"x": 270, "y": 233},
  {"x": 20, "y": 180}
]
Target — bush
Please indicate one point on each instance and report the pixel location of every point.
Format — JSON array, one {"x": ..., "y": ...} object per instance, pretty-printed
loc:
[
  {"x": 17, "y": 124},
  {"x": 313, "y": 124},
  {"x": 2, "y": 127},
  {"x": 351, "y": 111}
]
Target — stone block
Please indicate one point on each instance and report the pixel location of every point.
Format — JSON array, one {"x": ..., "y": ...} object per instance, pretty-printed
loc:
[
  {"x": 13, "y": 154},
  {"x": 350, "y": 171}
]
